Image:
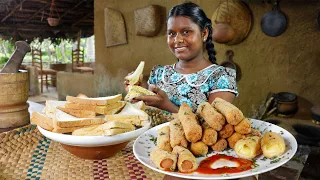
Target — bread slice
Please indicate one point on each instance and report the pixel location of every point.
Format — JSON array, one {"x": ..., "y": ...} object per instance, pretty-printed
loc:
[
  {"x": 58, "y": 129},
  {"x": 42, "y": 120},
  {"x": 130, "y": 114},
  {"x": 78, "y": 112},
  {"x": 66, "y": 120},
  {"x": 106, "y": 129},
  {"x": 106, "y": 109},
  {"x": 95, "y": 101},
  {"x": 135, "y": 91}
]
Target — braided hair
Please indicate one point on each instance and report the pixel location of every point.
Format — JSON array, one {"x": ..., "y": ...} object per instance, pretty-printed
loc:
[{"x": 197, "y": 15}]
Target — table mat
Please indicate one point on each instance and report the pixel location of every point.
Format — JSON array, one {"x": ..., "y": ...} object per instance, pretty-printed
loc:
[{"x": 26, "y": 154}]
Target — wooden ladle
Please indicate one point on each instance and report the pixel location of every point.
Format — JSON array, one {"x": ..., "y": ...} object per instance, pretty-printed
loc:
[{"x": 229, "y": 63}]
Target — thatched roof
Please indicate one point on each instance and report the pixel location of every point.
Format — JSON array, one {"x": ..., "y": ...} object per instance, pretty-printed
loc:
[{"x": 26, "y": 19}]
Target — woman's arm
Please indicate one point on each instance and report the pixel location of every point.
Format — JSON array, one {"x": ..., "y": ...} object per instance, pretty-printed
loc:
[{"x": 228, "y": 96}]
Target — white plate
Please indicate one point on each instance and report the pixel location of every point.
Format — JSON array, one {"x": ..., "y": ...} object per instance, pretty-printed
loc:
[
  {"x": 144, "y": 145},
  {"x": 93, "y": 141}
]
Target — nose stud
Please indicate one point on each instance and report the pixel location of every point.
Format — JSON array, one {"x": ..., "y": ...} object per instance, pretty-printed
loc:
[{"x": 181, "y": 41}]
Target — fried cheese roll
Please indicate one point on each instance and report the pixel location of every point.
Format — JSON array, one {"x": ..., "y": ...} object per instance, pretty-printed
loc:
[
  {"x": 177, "y": 137},
  {"x": 248, "y": 147},
  {"x": 272, "y": 144},
  {"x": 232, "y": 114},
  {"x": 211, "y": 116},
  {"x": 186, "y": 160},
  {"x": 164, "y": 160},
  {"x": 244, "y": 127},
  {"x": 220, "y": 145},
  {"x": 199, "y": 148},
  {"x": 209, "y": 136},
  {"x": 163, "y": 139},
  {"x": 234, "y": 138},
  {"x": 226, "y": 131},
  {"x": 190, "y": 124}
]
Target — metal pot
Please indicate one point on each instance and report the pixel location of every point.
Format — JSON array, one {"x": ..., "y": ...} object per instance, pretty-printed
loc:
[{"x": 274, "y": 22}]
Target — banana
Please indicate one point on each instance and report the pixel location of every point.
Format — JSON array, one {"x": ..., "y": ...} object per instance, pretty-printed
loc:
[{"x": 134, "y": 78}]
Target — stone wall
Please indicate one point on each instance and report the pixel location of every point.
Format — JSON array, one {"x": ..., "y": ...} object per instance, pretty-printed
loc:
[{"x": 289, "y": 62}]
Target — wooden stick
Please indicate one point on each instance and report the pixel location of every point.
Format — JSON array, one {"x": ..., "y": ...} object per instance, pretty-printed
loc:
[{"x": 12, "y": 11}]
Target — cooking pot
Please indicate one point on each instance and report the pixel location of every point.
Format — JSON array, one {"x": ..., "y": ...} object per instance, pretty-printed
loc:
[
  {"x": 274, "y": 22},
  {"x": 287, "y": 103},
  {"x": 223, "y": 33}
]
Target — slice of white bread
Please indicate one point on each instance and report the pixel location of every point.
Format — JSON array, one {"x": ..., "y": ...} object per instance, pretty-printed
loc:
[
  {"x": 130, "y": 114},
  {"x": 65, "y": 120},
  {"x": 135, "y": 91},
  {"x": 95, "y": 101},
  {"x": 78, "y": 112},
  {"x": 47, "y": 123},
  {"x": 42, "y": 120},
  {"x": 106, "y": 109},
  {"x": 106, "y": 129}
]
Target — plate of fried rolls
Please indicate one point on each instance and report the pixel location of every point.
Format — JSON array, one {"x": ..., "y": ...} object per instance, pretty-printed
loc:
[{"x": 215, "y": 142}]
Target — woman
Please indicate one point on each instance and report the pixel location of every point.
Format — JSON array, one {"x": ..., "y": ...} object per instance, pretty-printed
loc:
[{"x": 193, "y": 79}]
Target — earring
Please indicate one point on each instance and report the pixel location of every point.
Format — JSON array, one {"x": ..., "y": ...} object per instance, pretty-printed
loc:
[{"x": 204, "y": 40}]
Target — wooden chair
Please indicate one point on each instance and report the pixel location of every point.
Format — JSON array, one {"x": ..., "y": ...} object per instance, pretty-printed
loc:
[
  {"x": 43, "y": 73},
  {"x": 78, "y": 62}
]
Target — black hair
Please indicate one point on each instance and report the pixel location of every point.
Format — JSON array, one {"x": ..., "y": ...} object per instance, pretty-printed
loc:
[{"x": 197, "y": 15}]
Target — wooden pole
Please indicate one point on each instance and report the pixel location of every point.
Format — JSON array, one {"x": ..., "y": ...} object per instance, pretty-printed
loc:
[{"x": 13, "y": 10}]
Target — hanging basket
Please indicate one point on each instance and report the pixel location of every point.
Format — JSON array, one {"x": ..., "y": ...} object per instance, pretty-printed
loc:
[{"x": 53, "y": 21}]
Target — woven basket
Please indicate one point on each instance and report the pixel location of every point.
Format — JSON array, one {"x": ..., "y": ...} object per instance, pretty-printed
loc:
[
  {"x": 148, "y": 20},
  {"x": 114, "y": 27}
]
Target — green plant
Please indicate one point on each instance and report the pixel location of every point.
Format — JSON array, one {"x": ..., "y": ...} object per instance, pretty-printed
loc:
[{"x": 3, "y": 59}]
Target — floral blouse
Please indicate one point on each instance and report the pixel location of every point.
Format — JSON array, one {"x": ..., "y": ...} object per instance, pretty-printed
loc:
[{"x": 194, "y": 88}]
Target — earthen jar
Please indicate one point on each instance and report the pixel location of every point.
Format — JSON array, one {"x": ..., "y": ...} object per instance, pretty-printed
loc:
[{"x": 223, "y": 33}]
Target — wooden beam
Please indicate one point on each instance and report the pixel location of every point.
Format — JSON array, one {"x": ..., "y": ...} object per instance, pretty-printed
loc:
[
  {"x": 13, "y": 10},
  {"x": 43, "y": 7},
  {"x": 84, "y": 17},
  {"x": 71, "y": 9},
  {"x": 23, "y": 27}
]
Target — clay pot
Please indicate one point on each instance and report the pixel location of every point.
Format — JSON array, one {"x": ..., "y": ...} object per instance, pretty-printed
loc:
[
  {"x": 223, "y": 33},
  {"x": 287, "y": 103},
  {"x": 53, "y": 21}
]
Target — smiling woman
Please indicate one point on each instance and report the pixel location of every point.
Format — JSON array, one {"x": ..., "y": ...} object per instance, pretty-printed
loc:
[{"x": 193, "y": 79}]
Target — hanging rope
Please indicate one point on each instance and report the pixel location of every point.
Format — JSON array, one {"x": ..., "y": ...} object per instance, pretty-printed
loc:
[{"x": 53, "y": 10}]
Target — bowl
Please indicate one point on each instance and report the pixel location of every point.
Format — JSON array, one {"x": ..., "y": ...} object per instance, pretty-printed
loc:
[{"x": 94, "y": 147}]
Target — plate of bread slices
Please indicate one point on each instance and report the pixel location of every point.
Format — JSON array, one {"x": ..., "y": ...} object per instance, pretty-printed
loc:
[
  {"x": 215, "y": 142},
  {"x": 81, "y": 122}
]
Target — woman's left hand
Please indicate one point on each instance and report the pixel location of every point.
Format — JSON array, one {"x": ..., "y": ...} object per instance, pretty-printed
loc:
[{"x": 160, "y": 100}]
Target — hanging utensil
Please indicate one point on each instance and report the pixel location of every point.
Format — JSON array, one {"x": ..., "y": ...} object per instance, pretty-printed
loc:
[
  {"x": 318, "y": 19},
  {"x": 229, "y": 63},
  {"x": 274, "y": 22},
  {"x": 223, "y": 32}
]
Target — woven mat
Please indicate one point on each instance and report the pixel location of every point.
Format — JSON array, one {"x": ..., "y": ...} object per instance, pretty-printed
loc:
[{"x": 26, "y": 154}]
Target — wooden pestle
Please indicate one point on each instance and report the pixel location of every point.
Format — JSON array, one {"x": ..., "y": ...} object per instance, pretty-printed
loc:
[{"x": 13, "y": 65}]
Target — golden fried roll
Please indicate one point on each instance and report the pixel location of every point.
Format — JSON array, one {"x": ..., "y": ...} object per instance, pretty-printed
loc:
[
  {"x": 164, "y": 160},
  {"x": 177, "y": 137},
  {"x": 272, "y": 144},
  {"x": 244, "y": 127},
  {"x": 234, "y": 138},
  {"x": 220, "y": 145},
  {"x": 186, "y": 160},
  {"x": 163, "y": 139},
  {"x": 209, "y": 136},
  {"x": 199, "y": 148},
  {"x": 211, "y": 116},
  {"x": 232, "y": 114},
  {"x": 190, "y": 124},
  {"x": 254, "y": 132},
  {"x": 226, "y": 131},
  {"x": 249, "y": 147}
]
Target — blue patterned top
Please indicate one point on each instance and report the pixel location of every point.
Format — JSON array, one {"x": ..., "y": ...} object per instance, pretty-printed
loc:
[{"x": 194, "y": 88}]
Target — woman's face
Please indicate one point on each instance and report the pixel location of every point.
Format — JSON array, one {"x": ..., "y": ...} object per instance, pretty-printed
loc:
[{"x": 184, "y": 38}]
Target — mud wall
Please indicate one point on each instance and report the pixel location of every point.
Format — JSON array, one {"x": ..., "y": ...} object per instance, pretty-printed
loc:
[{"x": 289, "y": 62}]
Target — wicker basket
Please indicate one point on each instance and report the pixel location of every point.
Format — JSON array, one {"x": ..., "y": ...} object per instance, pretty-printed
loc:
[
  {"x": 53, "y": 21},
  {"x": 148, "y": 20}
]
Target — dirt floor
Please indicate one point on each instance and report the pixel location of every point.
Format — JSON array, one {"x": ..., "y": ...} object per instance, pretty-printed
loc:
[{"x": 48, "y": 94}]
